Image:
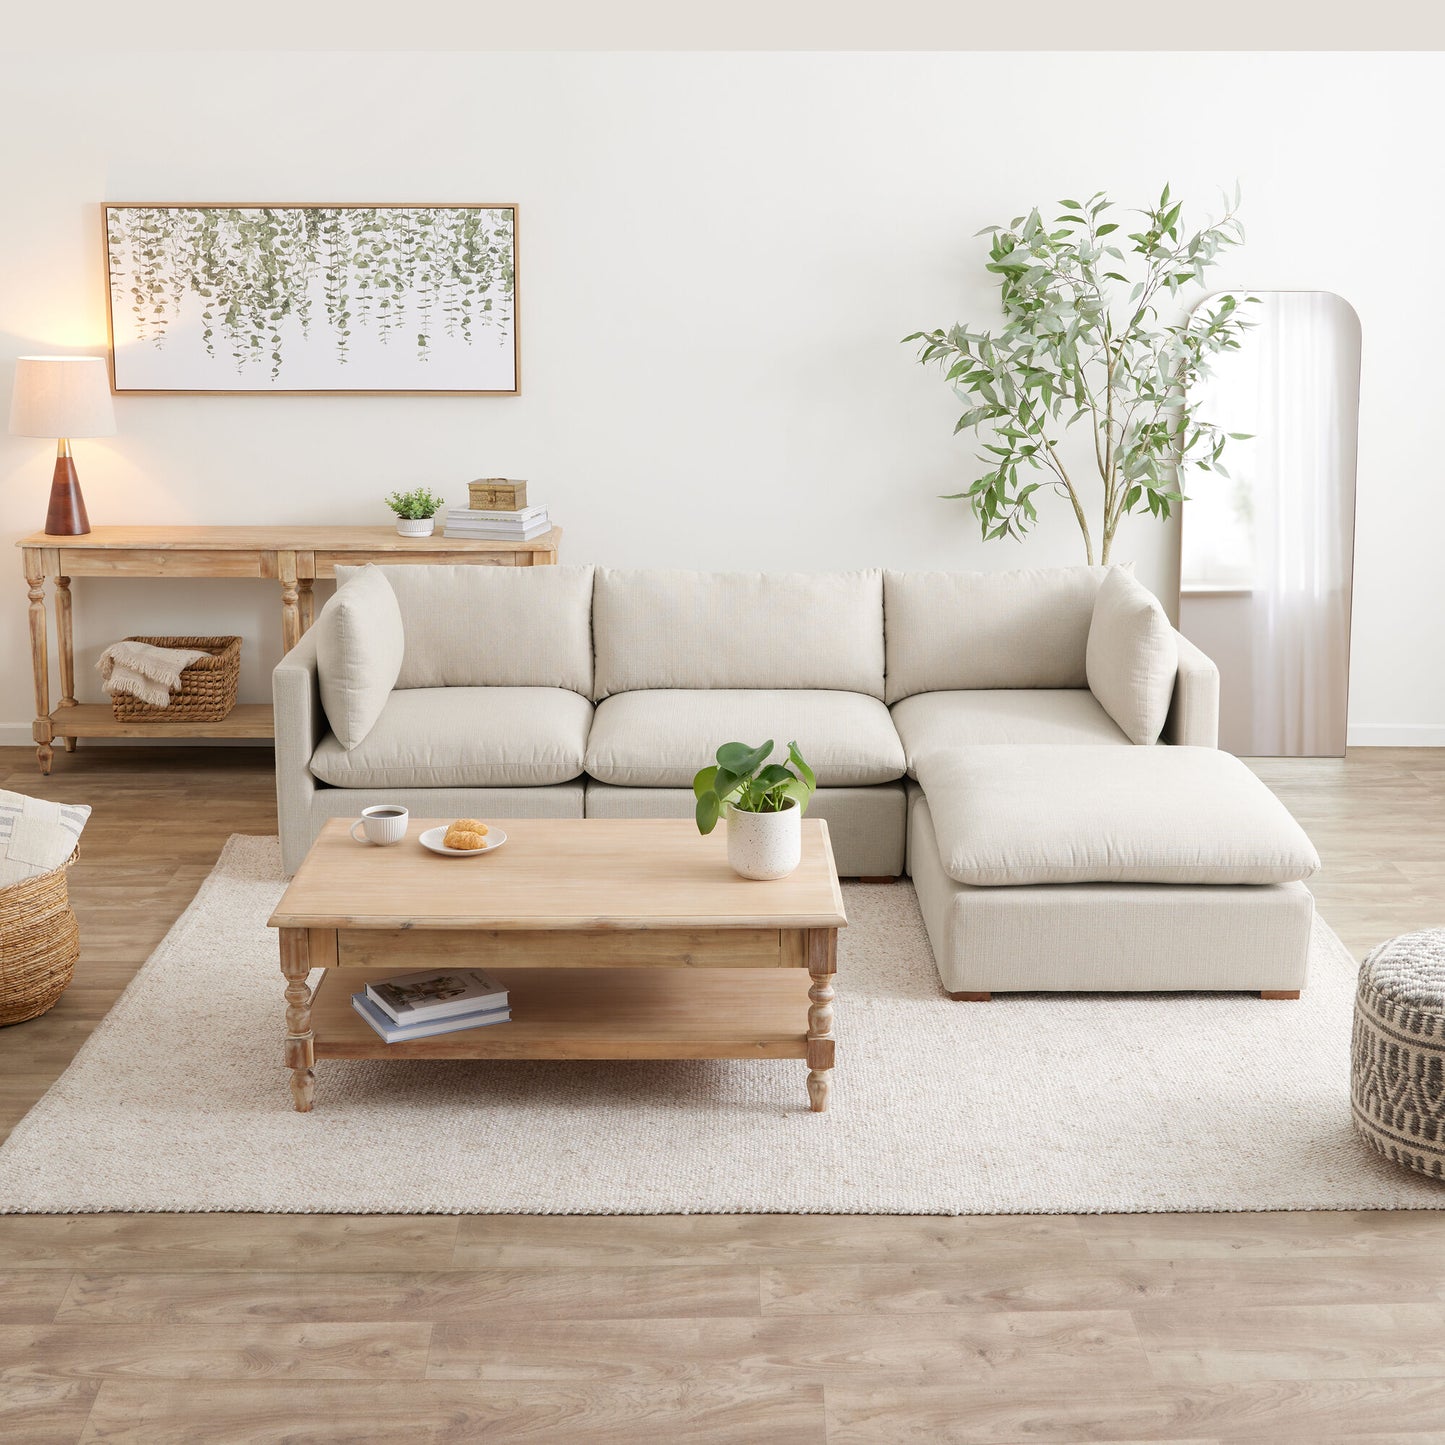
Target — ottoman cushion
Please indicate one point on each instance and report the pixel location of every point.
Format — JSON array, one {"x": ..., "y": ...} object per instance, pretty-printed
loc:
[
  {"x": 1007, "y": 815},
  {"x": 1397, "y": 1057}
]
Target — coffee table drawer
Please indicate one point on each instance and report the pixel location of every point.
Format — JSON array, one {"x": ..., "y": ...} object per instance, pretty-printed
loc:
[{"x": 398, "y": 949}]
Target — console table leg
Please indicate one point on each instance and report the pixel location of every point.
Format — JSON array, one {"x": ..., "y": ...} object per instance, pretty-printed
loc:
[
  {"x": 65, "y": 647},
  {"x": 40, "y": 665},
  {"x": 822, "y": 966},
  {"x": 300, "y": 1054},
  {"x": 290, "y": 615},
  {"x": 306, "y": 587}
]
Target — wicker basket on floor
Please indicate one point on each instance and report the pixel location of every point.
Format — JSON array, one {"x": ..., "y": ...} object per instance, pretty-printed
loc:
[
  {"x": 39, "y": 944},
  {"x": 208, "y": 685}
]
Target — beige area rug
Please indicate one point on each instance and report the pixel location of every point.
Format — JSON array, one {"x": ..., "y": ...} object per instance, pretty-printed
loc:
[{"x": 1035, "y": 1104}]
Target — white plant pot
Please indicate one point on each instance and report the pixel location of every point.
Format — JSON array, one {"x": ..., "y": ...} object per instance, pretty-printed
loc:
[
  {"x": 765, "y": 845},
  {"x": 416, "y": 526}
]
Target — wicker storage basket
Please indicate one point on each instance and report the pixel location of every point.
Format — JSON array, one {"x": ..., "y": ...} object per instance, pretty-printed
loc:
[
  {"x": 208, "y": 685},
  {"x": 39, "y": 944}
]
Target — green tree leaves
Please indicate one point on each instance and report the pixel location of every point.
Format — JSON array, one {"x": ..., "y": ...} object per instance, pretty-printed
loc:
[{"x": 1083, "y": 342}]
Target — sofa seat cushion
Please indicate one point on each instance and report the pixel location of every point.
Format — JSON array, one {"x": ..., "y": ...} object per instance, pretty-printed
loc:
[
  {"x": 1028, "y": 815},
  {"x": 464, "y": 737},
  {"x": 660, "y": 739},
  {"x": 930, "y": 722}
]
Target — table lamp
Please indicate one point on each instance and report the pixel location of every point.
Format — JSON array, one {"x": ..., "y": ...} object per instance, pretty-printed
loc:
[{"x": 62, "y": 397}]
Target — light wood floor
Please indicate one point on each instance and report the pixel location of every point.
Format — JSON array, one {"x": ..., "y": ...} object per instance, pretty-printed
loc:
[{"x": 1274, "y": 1328}]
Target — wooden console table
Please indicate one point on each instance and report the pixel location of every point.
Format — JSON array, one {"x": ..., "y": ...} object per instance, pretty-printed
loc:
[{"x": 293, "y": 556}]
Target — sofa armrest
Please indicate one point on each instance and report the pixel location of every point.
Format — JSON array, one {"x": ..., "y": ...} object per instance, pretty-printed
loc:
[
  {"x": 300, "y": 723},
  {"x": 1193, "y": 719}
]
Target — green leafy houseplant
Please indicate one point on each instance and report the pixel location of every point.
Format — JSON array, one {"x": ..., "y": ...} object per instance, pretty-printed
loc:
[
  {"x": 415, "y": 506},
  {"x": 743, "y": 777},
  {"x": 1083, "y": 341}
]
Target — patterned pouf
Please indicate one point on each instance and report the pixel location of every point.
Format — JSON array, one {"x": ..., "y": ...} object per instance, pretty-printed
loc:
[{"x": 1397, "y": 1066}]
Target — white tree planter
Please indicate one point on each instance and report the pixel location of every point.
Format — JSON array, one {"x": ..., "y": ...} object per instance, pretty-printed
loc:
[
  {"x": 765, "y": 845},
  {"x": 416, "y": 526}
]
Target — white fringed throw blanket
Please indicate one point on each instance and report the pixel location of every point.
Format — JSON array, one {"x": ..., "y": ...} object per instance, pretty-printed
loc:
[{"x": 151, "y": 674}]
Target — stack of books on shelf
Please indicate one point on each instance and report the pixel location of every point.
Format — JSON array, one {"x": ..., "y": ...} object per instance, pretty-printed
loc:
[
  {"x": 434, "y": 1001},
  {"x": 498, "y": 511}
]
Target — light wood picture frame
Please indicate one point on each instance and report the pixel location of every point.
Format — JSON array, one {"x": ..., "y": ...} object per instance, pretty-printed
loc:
[{"x": 312, "y": 299}]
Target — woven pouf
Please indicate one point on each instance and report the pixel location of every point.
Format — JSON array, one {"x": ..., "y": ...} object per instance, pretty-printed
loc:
[
  {"x": 39, "y": 944},
  {"x": 1397, "y": 1065}
]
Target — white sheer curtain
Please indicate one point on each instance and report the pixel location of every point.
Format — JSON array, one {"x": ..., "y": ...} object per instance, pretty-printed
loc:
[
  {"x": 1304, "y": 501},
  {"x": 1281, "y": 530}
]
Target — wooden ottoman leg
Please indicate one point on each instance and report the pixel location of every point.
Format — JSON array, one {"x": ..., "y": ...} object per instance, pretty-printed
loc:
[
  {"x": 1279, "y": 993},
  {"x": 300, "y": 1055},
  {"x": 969, "y": 997}
]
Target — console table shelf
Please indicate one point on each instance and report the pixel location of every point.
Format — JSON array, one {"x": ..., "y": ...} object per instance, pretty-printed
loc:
[
  {"x": 294, "y": 557},
  {"x": 96, "y": 720}
]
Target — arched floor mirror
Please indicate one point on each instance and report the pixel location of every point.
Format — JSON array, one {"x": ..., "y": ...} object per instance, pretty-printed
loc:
[{"x": 1268, "y": 552}]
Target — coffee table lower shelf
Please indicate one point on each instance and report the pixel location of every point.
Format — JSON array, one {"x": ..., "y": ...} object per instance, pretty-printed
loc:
[{"x": 592, "y": 1013}]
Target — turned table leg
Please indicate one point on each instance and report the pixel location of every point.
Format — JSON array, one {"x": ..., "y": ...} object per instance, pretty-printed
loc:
[
  {"x": 306, "y": 587},
  {"x": 65, "y": 647},
  {"x": 822, "y": 965},
  {"x": 289, "y": 578},
  {"x": 300, "y": 1054},
  {"x": 40, "y": 664}
]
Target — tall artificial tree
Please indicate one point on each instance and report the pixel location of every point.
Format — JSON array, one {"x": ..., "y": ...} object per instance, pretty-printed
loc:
[{"x": 1083, "y": 346}]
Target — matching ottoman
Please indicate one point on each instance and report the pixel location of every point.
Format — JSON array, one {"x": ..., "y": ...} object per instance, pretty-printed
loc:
[
  {"x": 1397, "y": 1060},
  {"x": 1103, "y": 868}
]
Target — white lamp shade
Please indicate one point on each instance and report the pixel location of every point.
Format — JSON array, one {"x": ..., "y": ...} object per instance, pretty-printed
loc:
[{"x": 61, "y": 396}]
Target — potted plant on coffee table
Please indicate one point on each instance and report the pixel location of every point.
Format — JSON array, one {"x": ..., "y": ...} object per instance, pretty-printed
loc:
[
  {"x": 415, "y": 511},
  {"x": 764, "y": 804}
]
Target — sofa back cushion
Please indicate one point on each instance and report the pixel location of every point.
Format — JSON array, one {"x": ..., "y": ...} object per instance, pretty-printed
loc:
[
  {"x": 484, "y": 626},
  {"x": 954, "y": 631},
  {"x": 1132, "y": 657},
  {"x": 359, "y": 648},
  {"x": 666, "y": 629}
]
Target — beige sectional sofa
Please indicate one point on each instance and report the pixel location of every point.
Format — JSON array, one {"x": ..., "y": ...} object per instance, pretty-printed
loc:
[{"x": 578, "y": 691}]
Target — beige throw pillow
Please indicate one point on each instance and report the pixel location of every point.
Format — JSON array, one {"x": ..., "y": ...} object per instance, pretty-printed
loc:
[
  {"x": 359, "y": 647},
  {"x": 1132, "y": 656}
]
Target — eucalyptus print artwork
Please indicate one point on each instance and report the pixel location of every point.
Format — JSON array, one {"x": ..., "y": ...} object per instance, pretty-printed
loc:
[{"x": 313, "y": 298}]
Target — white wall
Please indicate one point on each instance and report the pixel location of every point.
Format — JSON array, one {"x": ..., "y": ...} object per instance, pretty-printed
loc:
[{"x": 718, "y": 256}]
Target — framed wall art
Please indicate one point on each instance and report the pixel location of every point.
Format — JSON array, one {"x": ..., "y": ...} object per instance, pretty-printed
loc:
[{"x": 313, "y": 298}]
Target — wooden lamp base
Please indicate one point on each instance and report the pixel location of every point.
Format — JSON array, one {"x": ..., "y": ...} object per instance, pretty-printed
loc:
[{"x": 66, "y": 516}]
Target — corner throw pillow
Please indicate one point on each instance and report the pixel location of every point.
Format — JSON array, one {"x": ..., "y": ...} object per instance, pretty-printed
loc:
[
  {"x": 36, "y": 836},
  {"x": 1132, "y": 656},
  {"x": 359, "y": 646}
]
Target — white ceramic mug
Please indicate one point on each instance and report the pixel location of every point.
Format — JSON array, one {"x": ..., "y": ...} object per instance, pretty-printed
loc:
[{"x": 383, "y": 823}]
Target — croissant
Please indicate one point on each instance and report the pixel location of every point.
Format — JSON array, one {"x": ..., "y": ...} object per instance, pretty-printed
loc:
[{"x": 464, "y": 840}]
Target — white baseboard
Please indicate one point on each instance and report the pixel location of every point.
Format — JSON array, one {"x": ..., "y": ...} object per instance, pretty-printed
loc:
[{"x": 1397, "y": 735}]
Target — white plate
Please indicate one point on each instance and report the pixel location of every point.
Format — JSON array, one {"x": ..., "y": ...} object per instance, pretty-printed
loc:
[{"x": 432, "y": 839}]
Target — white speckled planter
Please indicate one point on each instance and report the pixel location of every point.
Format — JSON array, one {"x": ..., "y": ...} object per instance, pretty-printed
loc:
[
  {"x": 765, "y": 845},
  {"x": 416, "y": 526}
]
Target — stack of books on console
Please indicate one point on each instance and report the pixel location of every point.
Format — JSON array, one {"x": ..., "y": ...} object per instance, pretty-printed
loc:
[
  {"x": 497, "y": 526},
  {"x": 434, "y": 1001},
  {"x": 497, "y": 511}
]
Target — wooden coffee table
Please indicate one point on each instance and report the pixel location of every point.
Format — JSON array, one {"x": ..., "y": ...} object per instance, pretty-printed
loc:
[{"x": 617, "y": 938}]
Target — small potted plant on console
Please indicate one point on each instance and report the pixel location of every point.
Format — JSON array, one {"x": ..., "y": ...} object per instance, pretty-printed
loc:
[
  {"x": 415, "y": 511},
  {"x": 764, "y": 804}
]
